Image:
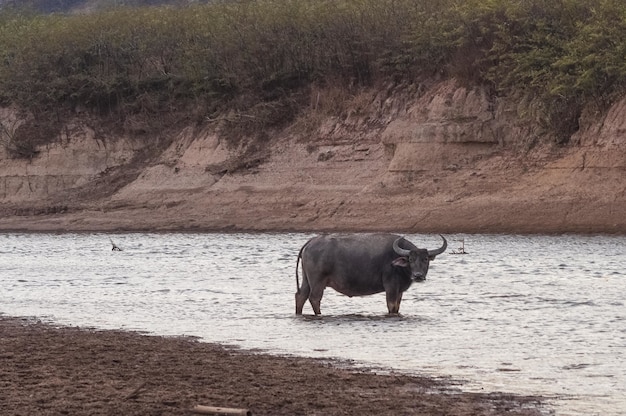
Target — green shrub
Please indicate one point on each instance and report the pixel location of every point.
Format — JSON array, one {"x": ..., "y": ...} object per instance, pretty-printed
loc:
[{"x": 241, "y": 55}]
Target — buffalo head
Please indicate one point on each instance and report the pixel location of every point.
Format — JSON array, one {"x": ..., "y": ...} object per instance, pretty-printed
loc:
[{"x": 416, "y": 259}]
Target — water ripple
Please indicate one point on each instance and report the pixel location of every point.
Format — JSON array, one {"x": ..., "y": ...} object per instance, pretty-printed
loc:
[{"x": 502, "y": 318}]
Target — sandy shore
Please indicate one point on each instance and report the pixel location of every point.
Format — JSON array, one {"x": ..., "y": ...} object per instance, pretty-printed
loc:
[{"x": 49, "y": 370}]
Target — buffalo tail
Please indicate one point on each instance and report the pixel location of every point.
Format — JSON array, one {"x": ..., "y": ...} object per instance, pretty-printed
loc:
[{"x": 298, "y": 263}]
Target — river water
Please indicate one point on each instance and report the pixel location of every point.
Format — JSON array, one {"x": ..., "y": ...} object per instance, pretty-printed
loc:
[{"x": 522, "y": 314}]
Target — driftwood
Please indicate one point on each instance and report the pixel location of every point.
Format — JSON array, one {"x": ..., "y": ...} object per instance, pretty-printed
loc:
[
  {"x": 212, "y": 410},
  {"x": 460, "y": 250}
]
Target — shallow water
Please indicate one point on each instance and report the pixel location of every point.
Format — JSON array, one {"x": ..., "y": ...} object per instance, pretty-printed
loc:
[{"x": 523, "y": 314}]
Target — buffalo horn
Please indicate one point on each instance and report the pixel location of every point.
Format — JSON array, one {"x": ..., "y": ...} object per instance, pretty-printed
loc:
[
  {"x": 433, "y": 253},
  {"x": 400, "y": 251}
]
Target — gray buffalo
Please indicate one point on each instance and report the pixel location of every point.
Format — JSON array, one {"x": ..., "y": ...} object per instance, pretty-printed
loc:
[{"x": 359, "y": 265}]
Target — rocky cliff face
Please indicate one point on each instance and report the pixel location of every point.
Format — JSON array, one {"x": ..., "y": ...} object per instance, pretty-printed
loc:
[{"x": 423, "y": 158}]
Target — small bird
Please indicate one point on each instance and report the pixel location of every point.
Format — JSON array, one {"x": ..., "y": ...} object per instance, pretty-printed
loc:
[{"x": 115, "y": 248}]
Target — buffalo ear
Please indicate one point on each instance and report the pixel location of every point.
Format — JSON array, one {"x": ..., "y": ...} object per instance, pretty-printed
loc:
[
  {"x": 431, "y": 258},
  {"x": 401, "y": 262}
]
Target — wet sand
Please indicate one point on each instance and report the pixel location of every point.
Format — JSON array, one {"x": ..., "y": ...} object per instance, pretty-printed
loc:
[{"x": 51, "y": 370}]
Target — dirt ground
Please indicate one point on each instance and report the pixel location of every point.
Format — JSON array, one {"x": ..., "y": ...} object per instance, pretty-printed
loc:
[
  {"x": 49, "y": 370},
  {"x": 438, "y": 159}
]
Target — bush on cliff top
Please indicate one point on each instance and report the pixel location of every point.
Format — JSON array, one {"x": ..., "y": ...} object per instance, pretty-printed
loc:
[{"x": 256, "y": 57}]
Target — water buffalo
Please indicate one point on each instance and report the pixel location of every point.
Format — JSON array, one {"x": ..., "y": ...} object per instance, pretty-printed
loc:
[{"x": 359, "y": 265}]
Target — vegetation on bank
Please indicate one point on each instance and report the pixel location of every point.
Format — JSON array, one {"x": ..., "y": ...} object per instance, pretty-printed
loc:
[{"x": 257, "y": 59}]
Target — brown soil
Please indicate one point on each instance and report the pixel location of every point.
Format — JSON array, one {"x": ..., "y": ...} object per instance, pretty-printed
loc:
[
  {"x": 442, "y": 159},
  {"x": 502, "y": 194},
  {"x": 47, "y": 370}
]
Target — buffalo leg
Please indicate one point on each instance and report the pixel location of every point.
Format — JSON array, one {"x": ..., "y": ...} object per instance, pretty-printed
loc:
[
  {"x": 315, "y": 298},
  {"x": 301, "y": 296},
  {"x": 393, "y": 302}
]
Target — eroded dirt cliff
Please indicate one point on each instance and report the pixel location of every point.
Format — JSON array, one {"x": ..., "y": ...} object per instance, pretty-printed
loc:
[{"x": 424, "y": 158}]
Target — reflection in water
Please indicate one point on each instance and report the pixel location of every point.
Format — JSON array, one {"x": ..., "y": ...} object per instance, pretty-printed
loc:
[
  {"x": 525, "y": 314},
  {"x": 351, "y": 318}
]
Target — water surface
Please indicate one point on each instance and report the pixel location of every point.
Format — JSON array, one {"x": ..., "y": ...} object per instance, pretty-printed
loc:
[{"x": 523, "y": 314}]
